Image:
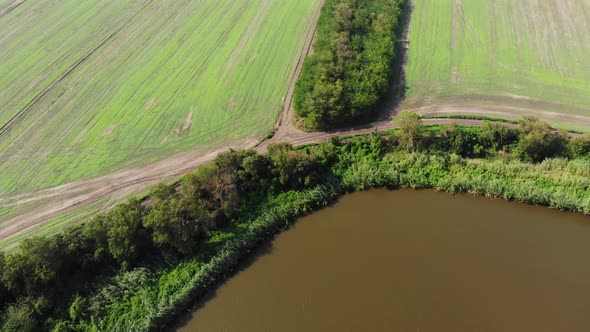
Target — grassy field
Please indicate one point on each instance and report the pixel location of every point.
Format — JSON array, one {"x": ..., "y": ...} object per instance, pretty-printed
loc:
[
  {"x": 525, "y": 54},
  {"x": 87, "y": 87}
]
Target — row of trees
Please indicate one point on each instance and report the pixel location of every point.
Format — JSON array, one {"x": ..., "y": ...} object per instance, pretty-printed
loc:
[
  {"x": 533, "y": 140},
  {"x": 38, "y": 281},
  {"x": 352, "y": 63}
]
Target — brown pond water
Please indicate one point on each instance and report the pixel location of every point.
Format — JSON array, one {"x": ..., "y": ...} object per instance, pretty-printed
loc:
[{"x": 413, "y": 261}]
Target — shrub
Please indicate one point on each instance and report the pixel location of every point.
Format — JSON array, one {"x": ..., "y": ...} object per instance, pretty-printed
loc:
[
  {"x": 537, "y": 142},
  {"x": 20, "y": 318},
  {"x": 580, "y": 146}
]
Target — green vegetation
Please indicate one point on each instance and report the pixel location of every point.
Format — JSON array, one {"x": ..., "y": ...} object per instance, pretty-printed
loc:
[
  {"x": 351, "y": 67},
  {"x": 90, "y": 87},
  {"x": 469, "y": 117},
  {"x": 410, "y": 125},
  {"x": 579, "y": 146},
  {"x": 94, "y": 87},
  {"x": 527, "y": 54},
  {"x": 136, "y": 266}
]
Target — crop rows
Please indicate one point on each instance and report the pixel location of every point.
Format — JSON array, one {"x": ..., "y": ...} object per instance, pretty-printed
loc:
[
  {"x": 527, "y": 54},
  {"x": 89, "y": 87}
]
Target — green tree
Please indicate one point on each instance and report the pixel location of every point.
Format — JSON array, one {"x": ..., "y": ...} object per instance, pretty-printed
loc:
[
  {"x": 125, "y": 233},
  {"x": 162, "y": 191},
  {"x": 96, "y": 231},
  {"x": 232, "y": 160},
  {"x": 177, "y": 223},
  {"x": 255, "y": 174},
  {"x": 217, "y": 186},
  {"x": 243, "y": 170},
  {"x": 452, "y": 138},
  {"x": 33, "y": 269},
  {"x": 20, "y": 318},
  {"x": 293, "y": 169},
  {"x": 77, "y": 308},
  {"x": 5, "y": 297},
  {"x": 465, "y": 143},
  {"x": 224, "y": 197},
  {"x": 351, "y": 67},
  {"x": 410, "y": 126},
  {"x": 537, "y": 141},
  {"x": 497, "y": 136},
  {"x": 194, "y": 185},
  {"x": 344, "y": 15},
  {"x": 580, "y": 146}
]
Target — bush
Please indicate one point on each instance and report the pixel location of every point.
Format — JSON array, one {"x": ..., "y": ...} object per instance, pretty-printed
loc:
[
  {"x": 20, "y": 318},
  {"x": 177, "y": 223},
  {"x": 292, "y": 169},
  {"x": 5, "y": 296},
  {"x": 126, "y": 236},
  {"x": 537, "y": 142},
  {"x": 580, "y": 146}
]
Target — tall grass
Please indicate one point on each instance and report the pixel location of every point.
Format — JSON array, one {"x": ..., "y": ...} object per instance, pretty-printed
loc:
[{"x": 556, "y": 183}]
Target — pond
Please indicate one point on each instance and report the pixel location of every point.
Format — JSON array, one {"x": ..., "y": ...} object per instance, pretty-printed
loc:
[{"x": 412, "y": 261}]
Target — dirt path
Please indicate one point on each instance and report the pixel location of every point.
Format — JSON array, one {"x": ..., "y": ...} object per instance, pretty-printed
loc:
[
  {"x": 45, "y": 205},
  {"x": 502, "y": 112}
]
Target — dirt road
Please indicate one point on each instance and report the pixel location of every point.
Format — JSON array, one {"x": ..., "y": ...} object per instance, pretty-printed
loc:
[{"x": 44, "y": 205}]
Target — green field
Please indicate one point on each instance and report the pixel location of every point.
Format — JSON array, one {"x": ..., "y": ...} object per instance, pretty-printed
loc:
[
  {"x": 88, "y": 87},
  {"x": 525, "y": 54}
]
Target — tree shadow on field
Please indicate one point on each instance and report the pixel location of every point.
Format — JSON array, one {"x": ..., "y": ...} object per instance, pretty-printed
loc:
[{"x": 397, "y": 85}]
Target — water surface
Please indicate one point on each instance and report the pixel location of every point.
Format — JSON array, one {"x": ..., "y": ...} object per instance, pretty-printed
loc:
[{"x": 413, "y": 261}]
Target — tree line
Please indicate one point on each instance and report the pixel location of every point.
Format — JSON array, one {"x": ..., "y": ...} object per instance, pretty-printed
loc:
[
  {"x": 352, "y": 62},
  {"x": 533, "y": 140},
  {"x": 41, "y": 281}
]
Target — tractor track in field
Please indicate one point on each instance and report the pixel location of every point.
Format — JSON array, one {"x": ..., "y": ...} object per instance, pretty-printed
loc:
[
  {"x": 20, "y": 114},
  {"x": 12, "y": 7},
  {"x": 45, "y": 205},
  {"x": 443, "y": 109}
]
